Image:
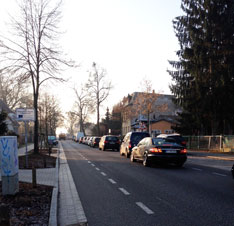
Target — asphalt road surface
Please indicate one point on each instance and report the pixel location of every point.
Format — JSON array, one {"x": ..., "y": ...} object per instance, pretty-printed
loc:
[{"x": 117, "y": 192}]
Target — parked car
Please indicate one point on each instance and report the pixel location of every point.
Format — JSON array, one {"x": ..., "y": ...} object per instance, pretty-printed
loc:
[
  {"x": 52, "y": 140},
  {"x": 177, "y": 137},
  {"x": 130, "y": 140},
  {"x": 81, "y": 140},
  {"x": 95, "y": 142},
  {"x": 159, "y": 150},
  {"x": 89, "y": 141},
  {"x": 109, "y": 142}
]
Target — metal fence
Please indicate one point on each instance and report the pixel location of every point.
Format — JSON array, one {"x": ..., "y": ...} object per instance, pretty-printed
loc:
[{"x": 216, "y": 143}]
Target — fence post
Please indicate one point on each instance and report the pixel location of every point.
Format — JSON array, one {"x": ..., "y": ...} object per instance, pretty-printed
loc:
[
  {"x": 198, "y": 142},
  {"x": 209, "y": 142},
  {"x": 221, "y": 140}
]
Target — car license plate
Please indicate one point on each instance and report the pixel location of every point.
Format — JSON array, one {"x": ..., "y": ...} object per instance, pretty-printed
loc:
[
  {"x": 112, "y": 142},
  {"x": 171, "y": 151}
]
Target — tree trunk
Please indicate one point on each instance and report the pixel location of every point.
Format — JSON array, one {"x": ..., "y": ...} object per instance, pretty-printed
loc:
[
  {"x": 35, "y": 102},
  {"x": 98, "y": 115}
]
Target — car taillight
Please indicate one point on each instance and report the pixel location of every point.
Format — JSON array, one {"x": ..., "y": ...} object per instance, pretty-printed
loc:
[
  {"x": 105, "y": 142},
  {"x": 184, "y": 151},
  {"x": 155, "y": 150},
  {"x": 129, "y": 145}
]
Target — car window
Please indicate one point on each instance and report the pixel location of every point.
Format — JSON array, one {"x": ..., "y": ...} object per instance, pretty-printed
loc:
[
  {"x": 112, "y": 138},
  {"x": 137, "y": 137},
  {"x": 160, "y": 141}
]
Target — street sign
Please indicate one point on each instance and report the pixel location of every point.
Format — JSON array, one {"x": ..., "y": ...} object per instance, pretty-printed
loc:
[{"x": 25, "y": 114}]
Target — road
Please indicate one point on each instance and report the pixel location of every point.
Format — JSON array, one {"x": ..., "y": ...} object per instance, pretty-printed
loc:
[{"x": 116, "y": 192}]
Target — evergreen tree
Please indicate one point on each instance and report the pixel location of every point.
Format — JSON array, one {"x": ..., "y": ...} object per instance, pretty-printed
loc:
[
  {"x": 3, "y": 125},
  {"x": 204, "y": 73}
]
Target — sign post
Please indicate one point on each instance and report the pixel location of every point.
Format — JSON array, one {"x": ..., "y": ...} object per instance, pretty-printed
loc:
[{"x": 26, "y": 115}]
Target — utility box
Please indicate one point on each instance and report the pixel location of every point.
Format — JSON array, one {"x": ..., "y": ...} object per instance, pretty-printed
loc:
[{"x": 9, "y": 165}]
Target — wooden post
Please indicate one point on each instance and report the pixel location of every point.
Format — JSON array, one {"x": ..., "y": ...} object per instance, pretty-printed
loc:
[{"x": 34, "y": 177}]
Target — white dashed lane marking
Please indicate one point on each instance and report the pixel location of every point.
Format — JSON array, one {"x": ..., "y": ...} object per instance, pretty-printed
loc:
[
  {"x": 92, "y": 165},
  {"x": 197, "y": 169},
  {"x": 97, "y": 169},
  {"x": 145, "y": 208},
  {"x": 124, "y": 191},
  {"x": 219, "y": 174},
  {"x": 103, "y": 174},
  {"x": 112, "y": 181}
]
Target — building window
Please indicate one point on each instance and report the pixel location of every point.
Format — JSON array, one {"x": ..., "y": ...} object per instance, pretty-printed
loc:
[
  {"x": 156, "y": 132},
  {"x": 169, "y": 131}
]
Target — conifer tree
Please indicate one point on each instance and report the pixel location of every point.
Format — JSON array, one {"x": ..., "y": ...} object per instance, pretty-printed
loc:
[{"x": 204, "y": 74}]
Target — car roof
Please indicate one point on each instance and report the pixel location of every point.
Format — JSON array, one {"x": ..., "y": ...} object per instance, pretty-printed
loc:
[{"x": 168, "y": 135}]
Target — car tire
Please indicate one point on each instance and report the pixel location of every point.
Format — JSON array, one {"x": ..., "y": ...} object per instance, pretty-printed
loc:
[
  {"x": 132, "y": 158},
  {"x": 146, "y": 161}
]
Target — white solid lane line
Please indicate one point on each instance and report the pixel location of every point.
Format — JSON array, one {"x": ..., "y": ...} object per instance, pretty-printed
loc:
[
  {"x": 103, "y": 174},
  {"x": 124, "y": 191},
  {"x": 219, "y": 174},
  {"x": 145, "y": 208},
  {"x": 112, "y": 181}
]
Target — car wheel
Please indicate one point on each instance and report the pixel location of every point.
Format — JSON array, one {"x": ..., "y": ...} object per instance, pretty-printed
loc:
[
  {"x": 132, "y": 158},
  {"x": 146, "y": 161}
]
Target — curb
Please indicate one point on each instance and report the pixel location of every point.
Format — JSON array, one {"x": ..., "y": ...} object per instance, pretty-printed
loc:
[{"x": 54, "y": 201}]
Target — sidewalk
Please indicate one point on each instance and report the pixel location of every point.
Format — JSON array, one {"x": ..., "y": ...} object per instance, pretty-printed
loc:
[{"x": 228, "y": 156}]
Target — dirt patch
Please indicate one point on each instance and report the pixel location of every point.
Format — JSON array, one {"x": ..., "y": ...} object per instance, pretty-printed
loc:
[
  {"x": 43, "y": 159},
  {"x": 31, "y": 206}
]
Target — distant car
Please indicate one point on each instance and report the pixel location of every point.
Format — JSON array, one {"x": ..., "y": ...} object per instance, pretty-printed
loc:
[
  {"x": 159, "y": 150},
  {"x": 130, "y": 140},
  {"x": 52, "y": 140},
  {"x": 177, "y": 137},
  {"x": 95, "y": 142},
  {"x": 81, "y": 140},
  {"x": 109, "y": 142},
  {"x": 90, "y": 141}
]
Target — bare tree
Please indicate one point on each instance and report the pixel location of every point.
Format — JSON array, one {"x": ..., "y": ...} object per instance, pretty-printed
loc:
[
  {"x": 83, "y": 106},
  {"x": 71, "y": 120},
  {"x": 50, "y": 116},
  {"x": 99, "y": 89},
  {"x": 33, "y": 54},
  {"x": 13, "y": 91}
]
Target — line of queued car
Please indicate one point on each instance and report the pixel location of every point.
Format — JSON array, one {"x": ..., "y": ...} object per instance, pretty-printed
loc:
[{"x": 140, "y": 146}]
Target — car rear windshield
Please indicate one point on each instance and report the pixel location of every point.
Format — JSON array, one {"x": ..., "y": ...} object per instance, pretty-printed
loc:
[
  {"x": 160, "y": 141},
  {"x": 97, "y": 139},
  {"x": 137, "y": 137},
  {"x": 112, "y": 138}
]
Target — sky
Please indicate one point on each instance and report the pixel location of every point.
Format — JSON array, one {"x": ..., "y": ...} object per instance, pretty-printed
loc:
[{"x": 131, "y": 39}]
